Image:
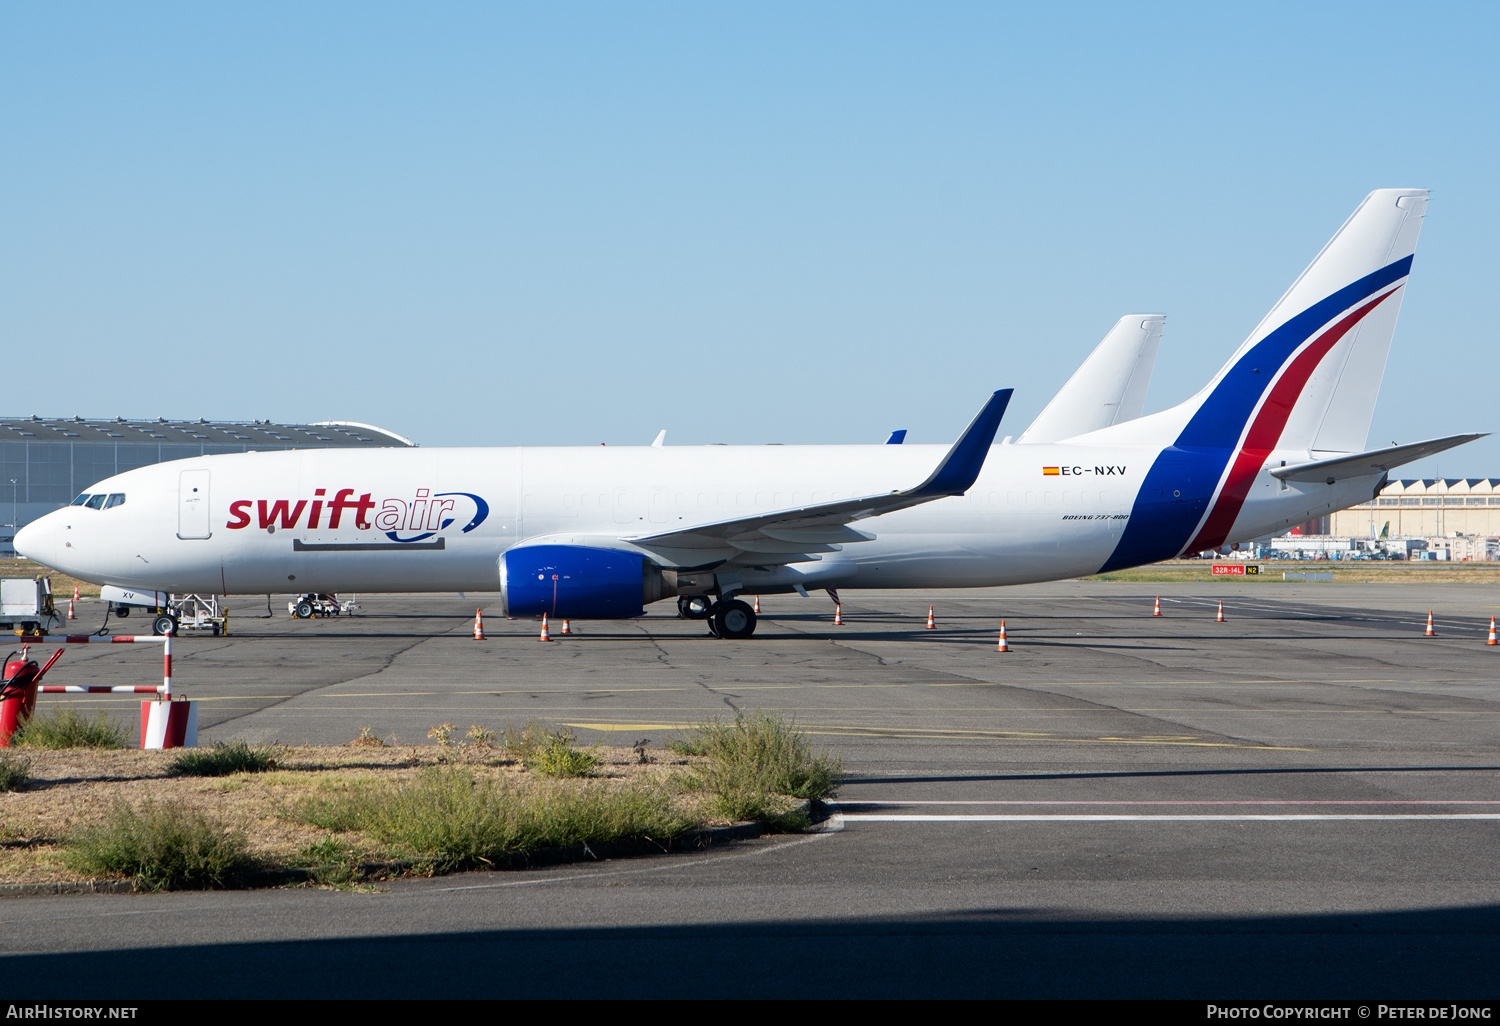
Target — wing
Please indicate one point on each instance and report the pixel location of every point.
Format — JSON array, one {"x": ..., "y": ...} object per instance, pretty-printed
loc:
[
  {"x": 1367, "y": 464},
  {"x": 798, "y": 535}
]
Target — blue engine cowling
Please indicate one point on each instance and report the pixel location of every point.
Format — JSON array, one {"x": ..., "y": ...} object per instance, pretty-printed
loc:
[{"x": 576, "y": 582}]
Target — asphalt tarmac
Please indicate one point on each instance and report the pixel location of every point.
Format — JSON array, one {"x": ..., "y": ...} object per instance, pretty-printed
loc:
[{"x": 1298, "y": 802}]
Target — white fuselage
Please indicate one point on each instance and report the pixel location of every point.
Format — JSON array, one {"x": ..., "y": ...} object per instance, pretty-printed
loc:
[{"x": 409, "y": 520}]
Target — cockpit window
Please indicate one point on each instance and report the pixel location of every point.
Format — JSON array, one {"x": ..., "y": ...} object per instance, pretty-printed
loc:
[
  {"x": 96, "y": 501},
  {"x": 117, "y": 499},
  {"x": 82, "y": 499}
]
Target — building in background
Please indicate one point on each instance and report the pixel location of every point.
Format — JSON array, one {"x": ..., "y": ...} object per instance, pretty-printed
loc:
[
  {"x": 45, "y": 462},
  {"x": 1451, "y": 518}
]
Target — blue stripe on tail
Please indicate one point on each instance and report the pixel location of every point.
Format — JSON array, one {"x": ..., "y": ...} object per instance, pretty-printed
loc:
[{"x": 1177, "y": 489}]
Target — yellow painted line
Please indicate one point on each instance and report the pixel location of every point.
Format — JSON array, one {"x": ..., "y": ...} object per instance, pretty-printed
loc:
[
  {"x": 1066, "y": 740},
  {"x": 632, "y": 726},
  {"x": 957, "y": 731},
  {"x": 487, "y": 691},
  {"x": 934, "y": 731},
  {"x": 930, "y": 735}
]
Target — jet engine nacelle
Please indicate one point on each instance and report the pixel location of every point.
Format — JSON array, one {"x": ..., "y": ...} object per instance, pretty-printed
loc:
[{"x": 578, "y": 582}]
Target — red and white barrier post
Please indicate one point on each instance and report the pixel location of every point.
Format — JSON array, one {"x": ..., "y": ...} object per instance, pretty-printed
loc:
[
  {"x": 164, "y": 723},
  {"x": 169, "y": 724}
]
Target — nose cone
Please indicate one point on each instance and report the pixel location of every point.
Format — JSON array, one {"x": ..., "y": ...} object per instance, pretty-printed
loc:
[{"x": 38, "y": 541}]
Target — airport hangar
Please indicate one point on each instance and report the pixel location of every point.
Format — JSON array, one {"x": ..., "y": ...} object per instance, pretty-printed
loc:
[{"x": 46, "y": 461}]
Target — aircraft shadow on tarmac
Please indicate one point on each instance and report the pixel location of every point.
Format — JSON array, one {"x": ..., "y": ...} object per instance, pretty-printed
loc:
[{"x": 993, "y": 952}]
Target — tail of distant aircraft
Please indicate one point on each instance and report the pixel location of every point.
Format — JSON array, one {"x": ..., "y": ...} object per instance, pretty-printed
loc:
[
  {"x": 1305, "y": 381},
  {"x": 1108, "y": 388}
]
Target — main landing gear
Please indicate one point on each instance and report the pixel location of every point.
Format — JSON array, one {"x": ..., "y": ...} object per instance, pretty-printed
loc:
[
  {"x": 727, "y": 618},
  {"x": 694, "y": 607},
  {"x": 731, "y": 619}
]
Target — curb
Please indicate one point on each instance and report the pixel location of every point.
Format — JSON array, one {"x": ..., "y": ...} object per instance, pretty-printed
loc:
[{"x": 67, "y": 887}]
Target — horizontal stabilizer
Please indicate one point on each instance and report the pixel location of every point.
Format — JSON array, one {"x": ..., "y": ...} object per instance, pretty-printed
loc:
[{"x": 1368, "y": 464}]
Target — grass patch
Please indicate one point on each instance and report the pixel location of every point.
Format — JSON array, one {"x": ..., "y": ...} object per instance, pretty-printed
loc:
[
  {"x": 66, "y": 728},
  {"x": 775, "y": 811},
  {"x": 15, "y": 770},
  {"x": 450, "y": 817},
  {"x": 693, "y": 744},
  {"x": 330, "y": 862},
  {"x": 761, "y": 754},
  {"x": 559, "y": 758},
  {"x": 225, "y": 758},
  {"x": 552, "y": 753},
  {"x": 160, "y": 847},
  {"x": 367, "y": 739}
]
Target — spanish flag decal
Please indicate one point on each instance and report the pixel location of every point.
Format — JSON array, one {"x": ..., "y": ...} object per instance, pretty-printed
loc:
[{"x": 1051, "y": 471}]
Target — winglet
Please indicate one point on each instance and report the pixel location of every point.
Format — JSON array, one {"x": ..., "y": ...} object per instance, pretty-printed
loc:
[
  {"x": 960, "y": 468},
  {"x": 897, "y": 437}
]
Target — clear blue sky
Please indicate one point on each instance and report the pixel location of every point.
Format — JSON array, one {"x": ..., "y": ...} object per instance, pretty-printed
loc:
[{"x": 574, "y": 223}]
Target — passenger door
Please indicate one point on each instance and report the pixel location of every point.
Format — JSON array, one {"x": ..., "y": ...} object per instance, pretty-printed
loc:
[{"x": 192, "y": 505}]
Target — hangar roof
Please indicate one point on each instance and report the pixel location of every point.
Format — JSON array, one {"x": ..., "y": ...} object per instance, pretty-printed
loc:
[{"x": 324, "y": 434}]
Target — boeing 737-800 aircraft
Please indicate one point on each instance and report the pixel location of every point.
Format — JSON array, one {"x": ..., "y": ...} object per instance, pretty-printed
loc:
[{"x": 1274, "y": 439}]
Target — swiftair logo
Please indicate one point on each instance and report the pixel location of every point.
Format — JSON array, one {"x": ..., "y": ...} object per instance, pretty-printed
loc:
[{"x": 425, "y": 513}]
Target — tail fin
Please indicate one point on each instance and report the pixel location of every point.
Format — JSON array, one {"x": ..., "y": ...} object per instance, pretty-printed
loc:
[
  {"x": 1308, "y": 375},
  {"x": 1107, "y": 388},
  {"x": 1305, "y": 380}
]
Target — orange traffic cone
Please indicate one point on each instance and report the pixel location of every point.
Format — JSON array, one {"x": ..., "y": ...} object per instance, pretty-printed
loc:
[
  {"x": 545, "y": 636},
  {"x": 71, "y": 615},
  {"x": 567, "y": 628},
  {"x": 75, "y": 593},
  {"x": 1492, "y": 632},
  {"x": 838, "y": 619},
  {"x": 1157, "y": 610},
  {"x": 931, "y": 623},
  {"x": 1003, "y": 646},
  {"x": 1220, "y": 617},
  {"x": 1430, "y": 632},
  {"x": 757, "y": 605},
  {"x": 478, "y": 625}
]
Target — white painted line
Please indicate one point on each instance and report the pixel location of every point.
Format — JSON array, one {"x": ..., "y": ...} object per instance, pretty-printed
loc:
[
  {"x": 881, "y": 817},
  {"x": 897, "y": 803}
]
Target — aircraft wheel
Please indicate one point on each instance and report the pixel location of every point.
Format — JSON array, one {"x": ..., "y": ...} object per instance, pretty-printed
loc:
[
  {"x": 304, "y": 611},
  {"x": 734, "y": 620},
  {"x": 163, "y": 624},
  {"x": 694, "y": 607}
]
